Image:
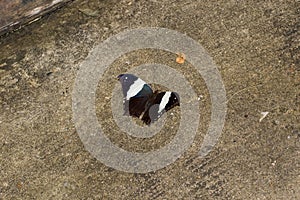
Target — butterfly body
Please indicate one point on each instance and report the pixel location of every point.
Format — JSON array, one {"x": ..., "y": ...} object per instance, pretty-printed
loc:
[{"x": 140, "y": 101}]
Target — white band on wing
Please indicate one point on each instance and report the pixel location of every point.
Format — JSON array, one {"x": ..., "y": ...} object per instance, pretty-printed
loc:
[
  {"x": 135, "y": 88},
  {"x": 164, "y": 101}
]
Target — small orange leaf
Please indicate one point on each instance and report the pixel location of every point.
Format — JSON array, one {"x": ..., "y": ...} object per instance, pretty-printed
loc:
[{"x": 180, "y": 58}]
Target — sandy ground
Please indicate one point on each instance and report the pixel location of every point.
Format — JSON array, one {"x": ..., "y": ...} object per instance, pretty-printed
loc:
[{"x": 256, "y": 48}]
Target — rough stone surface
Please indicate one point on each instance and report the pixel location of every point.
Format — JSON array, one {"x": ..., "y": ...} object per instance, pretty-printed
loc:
[{"x": 254, "y": 43}]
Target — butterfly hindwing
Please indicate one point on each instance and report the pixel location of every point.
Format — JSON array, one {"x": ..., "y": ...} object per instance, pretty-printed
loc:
[
  {"x": 161, "y": 103},
  {"x": 137, "y": 106}
]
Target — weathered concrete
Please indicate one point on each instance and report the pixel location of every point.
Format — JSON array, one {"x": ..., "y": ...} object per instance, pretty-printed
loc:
[{"x": 255, "y": 45}]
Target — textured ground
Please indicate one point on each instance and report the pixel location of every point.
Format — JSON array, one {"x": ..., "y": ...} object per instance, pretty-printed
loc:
[{"x": 254, "y": 44}]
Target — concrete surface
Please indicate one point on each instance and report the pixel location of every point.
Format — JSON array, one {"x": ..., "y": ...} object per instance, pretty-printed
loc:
[{"x": 255, "y": 45}]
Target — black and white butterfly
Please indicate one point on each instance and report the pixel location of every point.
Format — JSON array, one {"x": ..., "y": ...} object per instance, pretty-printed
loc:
[{"x": 140, "y": 101}]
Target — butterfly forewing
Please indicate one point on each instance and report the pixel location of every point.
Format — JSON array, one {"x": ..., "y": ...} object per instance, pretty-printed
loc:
[{"x": 136, "y": 94}]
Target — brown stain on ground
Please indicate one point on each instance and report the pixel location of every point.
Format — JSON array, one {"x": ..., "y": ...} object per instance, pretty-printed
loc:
[{"x": 254, "y": 45}]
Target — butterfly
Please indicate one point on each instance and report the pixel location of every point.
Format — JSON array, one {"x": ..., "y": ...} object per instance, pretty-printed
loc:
[{"x": 140, "y": 101}]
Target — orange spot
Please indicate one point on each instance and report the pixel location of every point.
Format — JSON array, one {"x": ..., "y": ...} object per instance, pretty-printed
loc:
[{"x": 180, "y": 58}]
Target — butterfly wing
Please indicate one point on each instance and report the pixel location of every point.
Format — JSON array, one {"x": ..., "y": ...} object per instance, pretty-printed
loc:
[
  {"x": 136, "y": 94},
  {"x": 136, "y": 106},
  {"x": 159, "y": 104}
]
